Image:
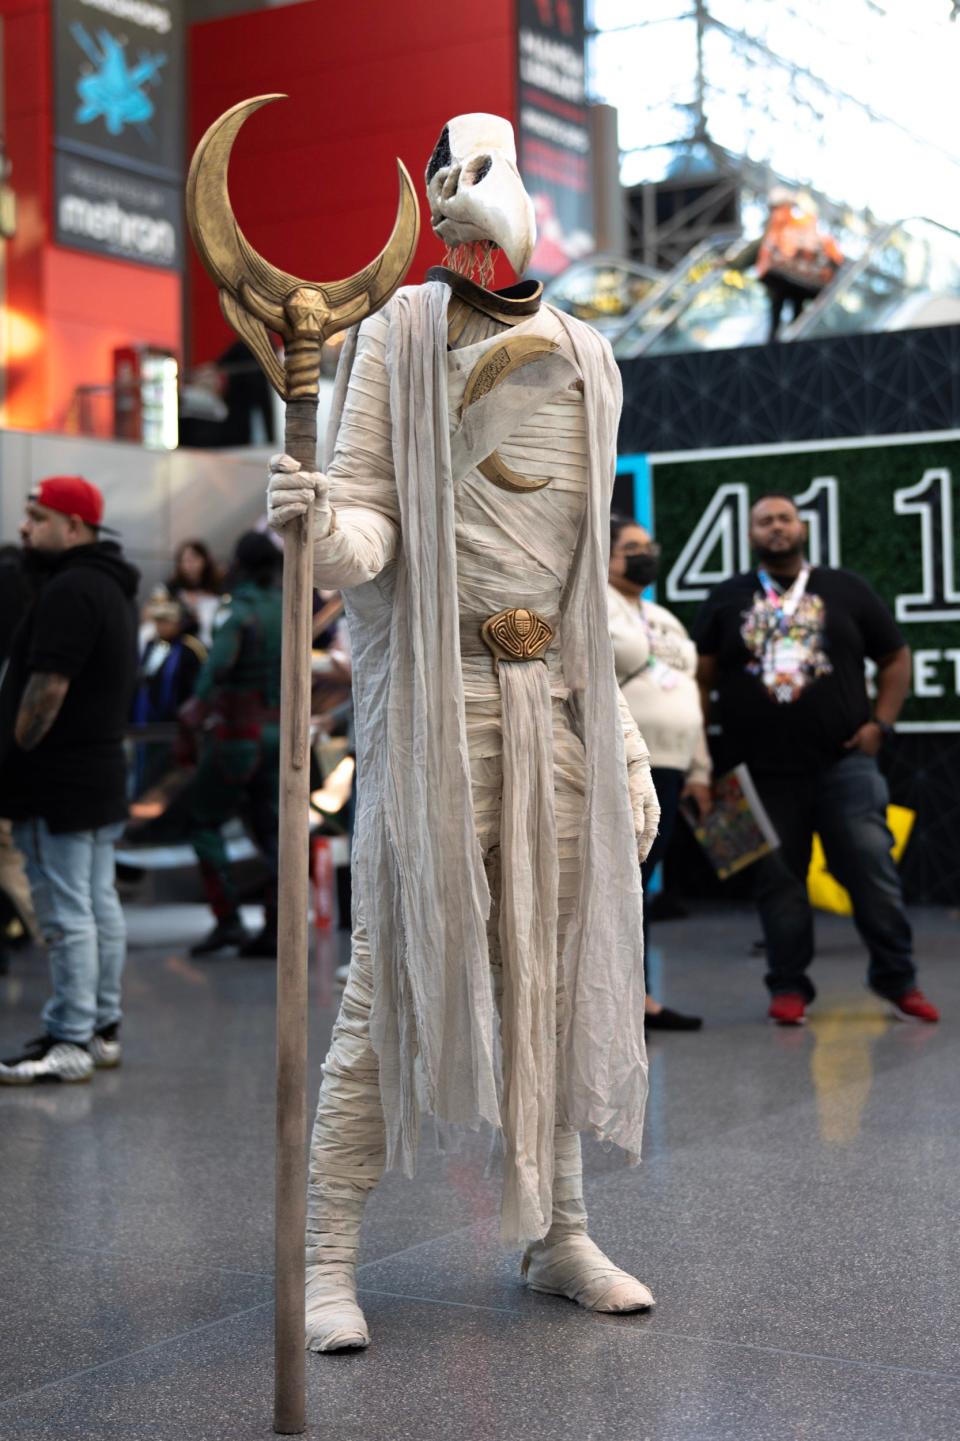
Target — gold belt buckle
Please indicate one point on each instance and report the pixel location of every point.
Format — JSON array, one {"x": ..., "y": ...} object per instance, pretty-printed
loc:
[{"x": 517, "y": 634}]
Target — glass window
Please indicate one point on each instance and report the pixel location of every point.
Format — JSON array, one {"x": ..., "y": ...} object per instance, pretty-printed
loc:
[{"x": 852, "y": 97}]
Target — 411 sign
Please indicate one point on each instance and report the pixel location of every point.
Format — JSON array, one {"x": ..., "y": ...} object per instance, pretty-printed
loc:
[{"x": 886, "y": 508}]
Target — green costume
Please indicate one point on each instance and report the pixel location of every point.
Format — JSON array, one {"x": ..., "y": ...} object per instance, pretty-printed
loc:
[{"x": 239, "y": 768}]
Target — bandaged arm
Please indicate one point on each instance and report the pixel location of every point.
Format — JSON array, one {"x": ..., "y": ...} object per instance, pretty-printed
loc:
[
  {"x": 356, "y": 511},
  {"x": 643, "y": 796}
]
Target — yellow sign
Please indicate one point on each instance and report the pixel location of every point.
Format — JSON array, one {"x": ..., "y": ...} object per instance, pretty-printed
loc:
[{"x": 826, "y": 893}]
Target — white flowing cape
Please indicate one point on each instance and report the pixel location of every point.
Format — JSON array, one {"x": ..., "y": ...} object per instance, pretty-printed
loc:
[{"x": 419, "y": 878}]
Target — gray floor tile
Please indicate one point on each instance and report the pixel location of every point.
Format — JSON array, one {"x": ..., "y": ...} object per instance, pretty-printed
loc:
[
  {"x": 795, "y": 1216},
  {"x": 68, "y": 1309},
  {"x": 442, "y": 1373},
  {"x": 766, "y": 1238}
]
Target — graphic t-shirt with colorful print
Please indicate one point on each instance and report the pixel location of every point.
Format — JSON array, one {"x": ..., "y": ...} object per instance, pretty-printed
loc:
[{"x": 790, "y": 664}]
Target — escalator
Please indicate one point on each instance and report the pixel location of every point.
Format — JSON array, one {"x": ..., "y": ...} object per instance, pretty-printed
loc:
[
  {"x": 908, "y": 276},
  {"x": 709, "y": 306},
  {"x": 625, "y": 300},
  {"x": 603, "y": 290}
]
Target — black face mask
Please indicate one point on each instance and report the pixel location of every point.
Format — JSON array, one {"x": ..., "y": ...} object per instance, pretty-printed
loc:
[{"x": 641, "y": 569}]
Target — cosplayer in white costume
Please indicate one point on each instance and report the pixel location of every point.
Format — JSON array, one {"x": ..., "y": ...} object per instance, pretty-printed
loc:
[{"x": 504, "y": 790}]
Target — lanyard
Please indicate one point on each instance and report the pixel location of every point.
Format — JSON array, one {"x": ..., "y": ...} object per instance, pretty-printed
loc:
[
  {"x": 644, "y": 621},
  {"x": 661, "y": 671},
  {"x": 785, "y": 603},
  {"x": 653, "y": 660}
]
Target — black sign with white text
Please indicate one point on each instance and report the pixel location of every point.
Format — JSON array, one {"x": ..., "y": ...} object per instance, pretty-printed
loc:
[
  {"x": 116, "y": 212},
  {"x": 118, "y": 128},
  {"x": 554, "y": 137}
]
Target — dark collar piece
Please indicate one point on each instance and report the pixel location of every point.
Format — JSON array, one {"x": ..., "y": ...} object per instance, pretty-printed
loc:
[{"x": 511, "y": 304}]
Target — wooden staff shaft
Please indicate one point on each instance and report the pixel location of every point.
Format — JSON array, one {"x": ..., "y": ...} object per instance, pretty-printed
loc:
[{"x": 291, "y": 1164}]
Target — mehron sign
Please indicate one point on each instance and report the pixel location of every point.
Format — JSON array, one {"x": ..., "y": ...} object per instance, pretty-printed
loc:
[
  {"x": 103, "y": 210},
  {"x": 118, "y": 108}
]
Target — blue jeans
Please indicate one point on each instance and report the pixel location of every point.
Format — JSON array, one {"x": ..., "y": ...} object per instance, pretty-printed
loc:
[
  {"x": 847, "y": 804},
  {"x": 73, "y": 882}
]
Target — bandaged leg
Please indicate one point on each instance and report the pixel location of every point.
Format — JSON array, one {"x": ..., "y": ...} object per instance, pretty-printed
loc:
[
  {"x": 566, "y": 1262},
  {"x": 347, "y": 1156}
]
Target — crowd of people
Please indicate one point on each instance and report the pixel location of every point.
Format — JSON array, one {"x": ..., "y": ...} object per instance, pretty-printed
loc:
[
  {"x": 152, "y": 722},
  {"x": 104, "y": 708}
]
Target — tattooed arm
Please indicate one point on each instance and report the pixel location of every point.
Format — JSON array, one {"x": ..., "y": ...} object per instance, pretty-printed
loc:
[{"x": 39, "y": 708}]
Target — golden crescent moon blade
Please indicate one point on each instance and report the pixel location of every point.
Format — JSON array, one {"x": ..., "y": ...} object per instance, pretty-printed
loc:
[
  {"x": 220, "y": 243},
  {"x": 489, "y": 372},
  {"x": 229, "y": 257}
]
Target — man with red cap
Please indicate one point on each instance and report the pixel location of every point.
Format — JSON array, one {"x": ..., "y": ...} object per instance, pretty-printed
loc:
[{"x": 64, "y": 700}]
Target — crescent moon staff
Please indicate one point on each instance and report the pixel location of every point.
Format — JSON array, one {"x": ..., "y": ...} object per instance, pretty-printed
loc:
[{"x": 256, "y": 297}]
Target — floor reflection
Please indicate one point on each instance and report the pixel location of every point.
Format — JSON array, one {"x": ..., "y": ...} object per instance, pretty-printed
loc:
[{"x": 841, "y": 1067}]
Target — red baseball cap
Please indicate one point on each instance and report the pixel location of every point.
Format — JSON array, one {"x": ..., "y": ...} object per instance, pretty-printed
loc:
[{"x": 71, "y": 495}]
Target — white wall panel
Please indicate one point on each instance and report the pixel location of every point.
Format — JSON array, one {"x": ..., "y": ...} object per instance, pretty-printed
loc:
[{"x": 154, "y": 498}]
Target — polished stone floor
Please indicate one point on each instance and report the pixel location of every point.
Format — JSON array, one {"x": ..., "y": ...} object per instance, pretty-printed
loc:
[{"x": 796, "y": 1216}]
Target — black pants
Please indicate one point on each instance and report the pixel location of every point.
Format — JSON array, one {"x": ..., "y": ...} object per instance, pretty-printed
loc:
[
  {"x": 233, "y": 775},
  {"x": 780, "y": 291},
  {"x": 668, "y": 784},
  {"x": 846, "y": 804}
]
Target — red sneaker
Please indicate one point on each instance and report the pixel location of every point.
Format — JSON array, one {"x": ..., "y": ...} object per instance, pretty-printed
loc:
[
  {"x": 914, "y": 1003},
  {"x": 788, "y": 1010}
]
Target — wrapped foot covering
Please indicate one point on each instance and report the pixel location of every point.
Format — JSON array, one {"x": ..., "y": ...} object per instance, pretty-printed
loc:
[
  {"x": 574, "y": 1266},
  {"x": 334, "y": 1319},
  {"x": 566, "y": 1262}
]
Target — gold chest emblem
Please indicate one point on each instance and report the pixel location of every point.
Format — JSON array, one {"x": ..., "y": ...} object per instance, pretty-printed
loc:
[{"x": 499, "y": 362}]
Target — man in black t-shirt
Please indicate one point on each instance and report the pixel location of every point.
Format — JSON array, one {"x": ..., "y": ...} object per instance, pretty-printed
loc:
[
  {"x": 784, "y": 648},
  {"x": 64, "y": 703}
]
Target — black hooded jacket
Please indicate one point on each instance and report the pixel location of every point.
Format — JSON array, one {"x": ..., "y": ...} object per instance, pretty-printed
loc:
[{"x": 82, "y": 625}]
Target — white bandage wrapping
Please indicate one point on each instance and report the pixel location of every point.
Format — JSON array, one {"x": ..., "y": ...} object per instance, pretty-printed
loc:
[
  {"x": 347, "y": 1151},
  {"x": 643, "y": 795},
  {"x": 574, "y": 1266},
  {"x": 350, "y": 545},
  {"x": 291, "y": 491},
  {"x": 348, "y": 1147},
  {"x": 566, "y": 1262},
  {"x": 646, "y": 807},
  {"x": 347, "y": 1156}
]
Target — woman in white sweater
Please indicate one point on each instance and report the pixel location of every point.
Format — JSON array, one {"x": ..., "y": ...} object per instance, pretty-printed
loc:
[{"x": 656, "y": 668}]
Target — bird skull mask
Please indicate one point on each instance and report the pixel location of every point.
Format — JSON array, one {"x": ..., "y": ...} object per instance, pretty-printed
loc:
[{"x": 475, "y": 192}]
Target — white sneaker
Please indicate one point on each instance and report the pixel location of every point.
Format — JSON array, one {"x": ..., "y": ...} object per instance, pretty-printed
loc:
[
  {"x": 105, "y": 1049},
  {"x": 47, "y": 1059}
]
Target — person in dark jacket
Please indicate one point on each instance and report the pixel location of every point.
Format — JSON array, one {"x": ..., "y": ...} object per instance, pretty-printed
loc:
[
  {"x": 17, "y": 920},
  {"x": 14, "y": 596},
  {"x": 170, "y": 662},
  {"x": 237, "y": 704},
  {"x": 64, "y": 703}
]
